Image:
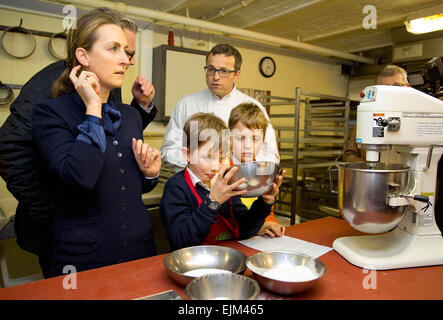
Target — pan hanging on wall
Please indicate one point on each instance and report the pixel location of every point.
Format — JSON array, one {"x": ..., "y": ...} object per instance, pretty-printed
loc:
[
  {"x": 51, "y": 47},
  {"x": 19, "y": 29},
  {"x": 10, "y": 94}
]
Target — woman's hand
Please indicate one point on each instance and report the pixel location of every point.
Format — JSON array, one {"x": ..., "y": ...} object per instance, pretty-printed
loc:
[
  {"x": 221, "y": 190},
  {"x": 88, "y": 87},
  {"x": 269, "y": 197},
  {"x": 148, "y": 158}
]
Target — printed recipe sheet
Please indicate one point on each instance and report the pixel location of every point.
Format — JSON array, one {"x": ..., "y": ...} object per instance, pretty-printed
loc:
[{"x": 285, "y": 243}]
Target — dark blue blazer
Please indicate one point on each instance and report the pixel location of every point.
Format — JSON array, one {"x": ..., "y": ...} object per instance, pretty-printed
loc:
[{"x": 100, "y": 218}]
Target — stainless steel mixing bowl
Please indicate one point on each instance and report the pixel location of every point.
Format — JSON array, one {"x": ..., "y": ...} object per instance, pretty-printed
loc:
[
  {"x": 187, "y": 264},
  {"x": 281, "y": 272},
  {"x": 259, "y": 177},
  {"x": 363, "y": 194},
  {"x": 224, "y": 286}
]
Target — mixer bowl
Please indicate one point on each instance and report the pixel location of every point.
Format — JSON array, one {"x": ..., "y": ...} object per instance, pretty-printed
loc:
[
  {"x": 363, "y": 193},
  {"x": 259, "y": 177}
]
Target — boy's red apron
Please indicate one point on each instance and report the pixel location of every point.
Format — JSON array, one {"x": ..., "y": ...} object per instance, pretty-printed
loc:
[{"x": 222, "y": 229}]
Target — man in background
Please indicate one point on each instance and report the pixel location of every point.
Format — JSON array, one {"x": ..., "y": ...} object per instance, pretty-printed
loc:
[{"x": 222, "y": 70}]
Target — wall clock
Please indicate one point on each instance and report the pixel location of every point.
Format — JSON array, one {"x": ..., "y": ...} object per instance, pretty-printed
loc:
[{"x": 267, "y": 67}]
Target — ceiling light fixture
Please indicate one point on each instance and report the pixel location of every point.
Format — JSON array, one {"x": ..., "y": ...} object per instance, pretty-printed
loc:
[{"x": 426, "y": 21}]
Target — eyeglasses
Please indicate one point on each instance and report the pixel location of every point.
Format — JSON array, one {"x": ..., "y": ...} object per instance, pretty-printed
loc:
[
  {"x": 223, "y": 73},
  {"x": 130, "y": 55}
]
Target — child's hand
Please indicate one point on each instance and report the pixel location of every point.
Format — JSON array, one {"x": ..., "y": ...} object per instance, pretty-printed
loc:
[
  {"x": 269, "y": 196},
  {"x": 148, "y": 158},
  {"x": 220, "y": 189},
  {"x": 272, "y": 229}
]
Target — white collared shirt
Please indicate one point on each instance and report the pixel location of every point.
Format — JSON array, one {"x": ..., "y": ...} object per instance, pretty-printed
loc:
[
  {"x": 196, "y": 180},
  {"x": 206, "y": 101}
]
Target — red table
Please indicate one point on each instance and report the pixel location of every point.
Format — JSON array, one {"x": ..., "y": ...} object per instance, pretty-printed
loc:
[{"x": 136, "y": 279}]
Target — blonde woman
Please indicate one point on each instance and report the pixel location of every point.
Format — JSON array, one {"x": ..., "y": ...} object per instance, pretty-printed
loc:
[{"x": 94, "y": 150}]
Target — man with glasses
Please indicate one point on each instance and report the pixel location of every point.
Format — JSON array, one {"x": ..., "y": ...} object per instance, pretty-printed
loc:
[
  {"x": 390, "y": 75},
  {"x": 20, "y": 165},
  {"x": 222, "y": 71}
]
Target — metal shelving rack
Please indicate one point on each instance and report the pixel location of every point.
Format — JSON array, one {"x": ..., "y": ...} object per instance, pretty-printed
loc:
[{"x": 314, "y": 141}]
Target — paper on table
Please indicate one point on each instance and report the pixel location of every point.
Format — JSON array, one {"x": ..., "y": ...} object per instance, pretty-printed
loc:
[{"x": 285, "y": 243}]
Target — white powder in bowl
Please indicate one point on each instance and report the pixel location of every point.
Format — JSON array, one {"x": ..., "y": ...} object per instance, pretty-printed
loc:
[
  {"x": 243, "y": 185},
  {"x": 291, "y": 273},
  {"x": 202, "y": 271},
  {"x": 253, "y": 182}
]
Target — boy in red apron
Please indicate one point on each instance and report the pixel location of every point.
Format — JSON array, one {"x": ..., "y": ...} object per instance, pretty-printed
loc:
[
  {"x": 198, "y": 205},
  {"x": 248, "y": 124}
]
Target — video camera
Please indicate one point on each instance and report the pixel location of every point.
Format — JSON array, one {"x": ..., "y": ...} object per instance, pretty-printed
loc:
[{"x": 429, "y": 78}]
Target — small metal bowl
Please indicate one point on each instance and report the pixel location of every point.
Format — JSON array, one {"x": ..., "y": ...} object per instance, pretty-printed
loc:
[
  {"x": 223, "y": 286},
  {"x": 187, "y": 264},
  {"x": 259, "y": 177},
  {"x": 285, "y": 272}
]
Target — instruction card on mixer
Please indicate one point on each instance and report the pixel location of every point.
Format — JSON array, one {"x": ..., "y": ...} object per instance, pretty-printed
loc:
[{"x": 285, "y": 243}]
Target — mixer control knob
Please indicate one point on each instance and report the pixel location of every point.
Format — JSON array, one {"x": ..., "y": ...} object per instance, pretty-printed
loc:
[{"x": 394, "y": 124}]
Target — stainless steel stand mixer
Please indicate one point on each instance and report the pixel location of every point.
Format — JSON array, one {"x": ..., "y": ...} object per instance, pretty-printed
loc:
[{"x": 396, "y": 201}]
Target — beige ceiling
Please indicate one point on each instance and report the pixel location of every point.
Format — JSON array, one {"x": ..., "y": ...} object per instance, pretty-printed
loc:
[{"x": 334, "y": 24}]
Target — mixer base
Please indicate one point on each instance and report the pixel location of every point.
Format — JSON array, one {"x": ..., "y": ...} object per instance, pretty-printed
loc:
[{"x": 393, "y": 250}]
